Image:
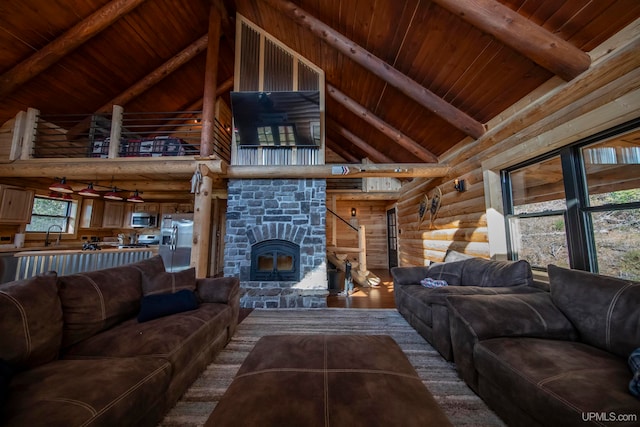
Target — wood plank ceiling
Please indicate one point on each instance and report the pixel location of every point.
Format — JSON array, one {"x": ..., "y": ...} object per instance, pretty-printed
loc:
[{"x": 426, "y": 43}]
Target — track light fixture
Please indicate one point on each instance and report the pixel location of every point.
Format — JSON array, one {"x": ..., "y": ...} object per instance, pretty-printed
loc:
[
  {"x": 61, "y": 187},
  {"x": 89, "y": 191},
  {"x": 135, "y": 198},
  {"x": 113, "y": 195}
]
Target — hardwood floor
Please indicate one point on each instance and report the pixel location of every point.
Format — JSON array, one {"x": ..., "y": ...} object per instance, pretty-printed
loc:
[{"x": 378, "y": 297}]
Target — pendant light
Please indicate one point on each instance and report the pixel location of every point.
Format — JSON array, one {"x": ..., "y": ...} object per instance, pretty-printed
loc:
[
  {"x": 61, "y": 187},
  {"x": 135, "y": 198},
  {"x": 89, "y": 191},
  {"x": 113, "y": 195}
]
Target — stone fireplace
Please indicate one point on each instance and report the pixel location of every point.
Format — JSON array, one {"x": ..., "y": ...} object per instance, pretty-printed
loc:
[{"x": 276, "y": 242}]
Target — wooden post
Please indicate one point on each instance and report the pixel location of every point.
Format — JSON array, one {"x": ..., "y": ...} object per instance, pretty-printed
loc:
[
  {"x": 202, "y": 227},
  {"x": 16, "y": 137},
  {"x": 29, "y": 135},
  {"x": 116, "y": 131},
  {"x": 362, "y": 245},
  {"x": 202, "y": 203},
  {"x": 210, "y": 84}
]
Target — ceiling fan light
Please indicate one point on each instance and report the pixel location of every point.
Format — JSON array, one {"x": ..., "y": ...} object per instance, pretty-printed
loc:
[
  {"x": 135, "y": 198},
  {"x": 61, "y": 187},
  {"x": 89, "y": 191}
]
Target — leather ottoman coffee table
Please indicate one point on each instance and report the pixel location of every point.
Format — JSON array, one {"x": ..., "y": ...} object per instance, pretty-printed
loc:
[{"x": 327, "y": 380}]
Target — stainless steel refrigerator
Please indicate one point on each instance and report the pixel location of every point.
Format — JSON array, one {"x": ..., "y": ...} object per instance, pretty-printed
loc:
[{"x": 176, "y": 235}]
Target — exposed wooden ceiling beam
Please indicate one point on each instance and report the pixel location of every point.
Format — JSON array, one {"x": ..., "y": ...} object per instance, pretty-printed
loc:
[
  {"x": 386, "y": 72},
  {"x": 197, "y": 105},
  {"x": 341, "y": 151},
  {"x": 536, "y": 43},
  {"x": 403, "y": 140},
  {"x": 145, "y": 83},
  {"x": 66, "y": 43},
  {"x": 371, "y": 152},
  {"x": 158, "y": 74}
]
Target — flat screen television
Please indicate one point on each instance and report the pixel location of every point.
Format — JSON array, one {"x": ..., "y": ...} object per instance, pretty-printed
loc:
[{"x": 276, "y": 118}]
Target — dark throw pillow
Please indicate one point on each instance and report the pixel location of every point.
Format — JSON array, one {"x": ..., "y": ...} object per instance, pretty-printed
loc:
[{"x": 154, "y": 306}]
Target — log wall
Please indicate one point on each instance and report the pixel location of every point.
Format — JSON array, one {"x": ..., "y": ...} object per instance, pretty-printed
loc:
[{"x": 554, "y": 115}]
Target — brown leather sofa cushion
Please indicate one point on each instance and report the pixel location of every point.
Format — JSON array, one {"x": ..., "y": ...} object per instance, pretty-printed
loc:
[
  {"x": 98, "y": 300},
  {"x": 605, "y": 310},
  {"x": 30, "y": 321},
  {"x": 96, "y": 392},
  {"x": 150, "y": 266},
  {"x": 169, "y": 283},
  {"x": 556, "y": 382}
]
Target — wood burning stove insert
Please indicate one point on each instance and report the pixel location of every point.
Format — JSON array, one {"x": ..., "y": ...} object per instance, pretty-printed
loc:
[{"x": 275, "y": 260}]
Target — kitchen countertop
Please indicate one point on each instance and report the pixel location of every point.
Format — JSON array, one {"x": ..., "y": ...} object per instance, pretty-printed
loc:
[{"x": 68, "y": 249}]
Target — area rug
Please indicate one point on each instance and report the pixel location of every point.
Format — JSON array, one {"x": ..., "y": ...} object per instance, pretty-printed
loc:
[{"x": 458, "y": 402}]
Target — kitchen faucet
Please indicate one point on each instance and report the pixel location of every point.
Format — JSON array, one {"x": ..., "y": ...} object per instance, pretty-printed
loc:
[{"x": 46, "y": 239}]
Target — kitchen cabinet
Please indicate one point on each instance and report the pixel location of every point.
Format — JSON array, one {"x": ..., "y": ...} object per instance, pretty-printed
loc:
[
  {"x": 172, "y": 208},
  {"x": 113, "y": 214},
  {"x": 15, "y": 205},
  {"x": 126, "y": 219},
  {"x": 168, "y": 208},
  {"x": 92, "y": 213},
  {"x": 152, "y": 208},
  {"x": 185, "y": 208}
]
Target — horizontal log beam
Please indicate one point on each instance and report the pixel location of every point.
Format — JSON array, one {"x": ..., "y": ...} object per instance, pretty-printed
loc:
[
  {"x": 93, "y": 169},
  {"x": 514, "y": 30},
  {"x": 414, "y": 90},
  {"x": 395, "y": 170}
]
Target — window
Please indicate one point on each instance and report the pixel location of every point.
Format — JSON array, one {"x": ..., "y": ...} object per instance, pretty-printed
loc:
[
  {"x": 579, "y": 207},
  {"x": 282, "y": 135},
  {"x": 48, "y": 213}
]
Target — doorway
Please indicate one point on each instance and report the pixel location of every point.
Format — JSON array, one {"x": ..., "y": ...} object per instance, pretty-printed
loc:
[{"x": 392, "y": 237}]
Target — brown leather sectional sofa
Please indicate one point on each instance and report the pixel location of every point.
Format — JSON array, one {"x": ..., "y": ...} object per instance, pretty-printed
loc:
[
  {"x": 426, "y": 308},
  {"x": 79, "y": 356},
  {"x": 552, "y": 359}
]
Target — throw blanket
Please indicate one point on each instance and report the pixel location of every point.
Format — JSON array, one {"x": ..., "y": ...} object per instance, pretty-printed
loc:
[{"x": 433, "y": 283}]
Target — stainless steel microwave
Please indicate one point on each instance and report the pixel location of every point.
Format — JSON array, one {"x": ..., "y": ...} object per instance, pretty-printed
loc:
[{"x": 144, "y": 220}]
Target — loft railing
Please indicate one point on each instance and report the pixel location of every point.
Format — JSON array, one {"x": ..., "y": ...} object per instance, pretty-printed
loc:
[
  {"x": 277, "y": 156},
  {"x": 139, "y": 134}
]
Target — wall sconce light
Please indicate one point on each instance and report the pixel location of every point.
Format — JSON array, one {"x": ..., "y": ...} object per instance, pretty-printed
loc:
[
  {"x": 459, "y": 185},
  {"x": 353, "y": 212},
  {"x": 61, "y": 187}
]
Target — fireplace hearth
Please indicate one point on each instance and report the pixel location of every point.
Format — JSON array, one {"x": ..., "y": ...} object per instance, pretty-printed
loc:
[{"x": 276, "y": 242}]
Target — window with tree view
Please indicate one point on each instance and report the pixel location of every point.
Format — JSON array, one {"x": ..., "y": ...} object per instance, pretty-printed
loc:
[
  {"x": 48, "y": 213},
  {"x": 579, "y": 206}
]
